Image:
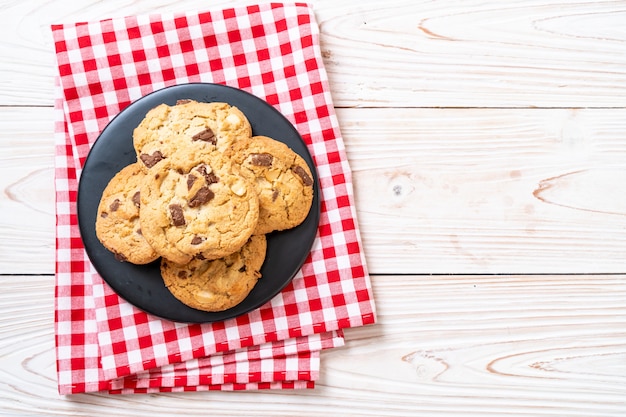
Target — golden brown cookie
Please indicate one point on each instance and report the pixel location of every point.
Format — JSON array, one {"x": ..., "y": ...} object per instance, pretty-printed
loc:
[
  {"x": 197, "y": 206},
  {"x": 189, "y": 125},
  {"x": 219, "y": 284},
  {"x": 283, "y": 182},
  {"x": 117, "y": 222}
]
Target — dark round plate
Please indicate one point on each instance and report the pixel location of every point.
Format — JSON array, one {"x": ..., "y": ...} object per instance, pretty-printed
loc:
[{"x": 141, "y": 285}]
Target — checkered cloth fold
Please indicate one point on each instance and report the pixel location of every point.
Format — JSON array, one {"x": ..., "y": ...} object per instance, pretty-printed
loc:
[{"x": 271, "y": 51}]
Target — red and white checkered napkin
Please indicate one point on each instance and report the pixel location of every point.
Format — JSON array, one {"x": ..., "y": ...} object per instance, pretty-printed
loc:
[{"x": 272, "y": 51}]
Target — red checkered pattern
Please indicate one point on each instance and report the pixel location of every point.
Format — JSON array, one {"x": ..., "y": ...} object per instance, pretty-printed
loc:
[{"x": 272, "y": 51}]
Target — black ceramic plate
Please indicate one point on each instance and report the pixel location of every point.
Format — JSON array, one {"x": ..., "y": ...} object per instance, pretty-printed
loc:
[{"x": 141, "y": 285}]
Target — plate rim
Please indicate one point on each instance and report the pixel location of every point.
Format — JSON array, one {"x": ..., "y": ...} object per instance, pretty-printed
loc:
[{"x": 314, "y": 213}]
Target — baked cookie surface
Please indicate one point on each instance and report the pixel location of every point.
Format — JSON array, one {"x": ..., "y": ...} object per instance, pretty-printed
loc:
[
  {"x": 282, "y": 180},
  {"x": 189, "y": 125},
  {"x": 219, "y": 284},
  {"x": 197, "y": 206},
  {"x": 117, "y": 221}
]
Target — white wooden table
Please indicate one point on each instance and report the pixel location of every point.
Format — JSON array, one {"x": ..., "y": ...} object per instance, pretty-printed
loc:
[{"x": 488, "y": 144}]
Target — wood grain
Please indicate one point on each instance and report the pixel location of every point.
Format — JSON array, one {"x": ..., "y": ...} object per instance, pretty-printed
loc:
[
  {"x": 476, "y": 54},
  {"x": 437, "y": 190},
  {"x": 27, "y": 185},
  {"x": 400, "y": 54},
  {"x": 489, "y": 345},
  {"x": 499, "y": 190},
  {"x": 452, "y": 346}
]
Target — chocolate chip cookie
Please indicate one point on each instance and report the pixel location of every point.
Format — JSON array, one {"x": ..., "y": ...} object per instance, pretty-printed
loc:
[
  {"x": 117, "y": 221},
  {"x": 219, "y": 284},
  {"x": 282, "y": 180},
  {"x": 197, "y": 206},
  {"x": 189, "y": 125}
]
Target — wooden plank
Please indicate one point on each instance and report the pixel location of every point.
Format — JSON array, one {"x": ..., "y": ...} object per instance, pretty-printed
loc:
[
  {"x": 27, "y": 184},
  {"x": 401, "y": 54},
  {"x": 475, "y": 53},
  {"x": 489, "y": 191},
  {"x": 437, "y": 190},
  {"x": 487, "y": 345},
  {"x": 453, "y": 346}
]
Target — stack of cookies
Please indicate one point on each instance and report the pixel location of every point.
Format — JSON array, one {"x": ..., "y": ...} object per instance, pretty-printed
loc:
[{"x": 202, "y": 196}]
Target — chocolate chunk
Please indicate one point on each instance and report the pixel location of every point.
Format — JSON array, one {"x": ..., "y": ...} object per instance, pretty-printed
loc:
[
  {"x": 200, "y": 257},
  {"x": 178, "y": 217},
  {"x": 137, "y": 199},
  {"x": 151, "y": 160},
  {"x": 209, "y": 177},
  {"x": 261, "y": 159},
  {"x": 139, "y": 232},
  {"x": 204, "y": 195},
  {"x": 183, "y": 101},
  {"x": 206, "y": 135},
  {"x": 182, "y": 275},
  {"x": 190, "y": 180},
  {"x": 242, "y": 269},
  {"x": 202, "y": 170},
  {"x": 299, "y": 171},
  {"x": 120, "y": 257},
  {"x": 104, "y": 214},
  {"x": 197, "y": 240},
  {"x": 275, "y": 194},
  {"x": 115, "y": 205}
]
